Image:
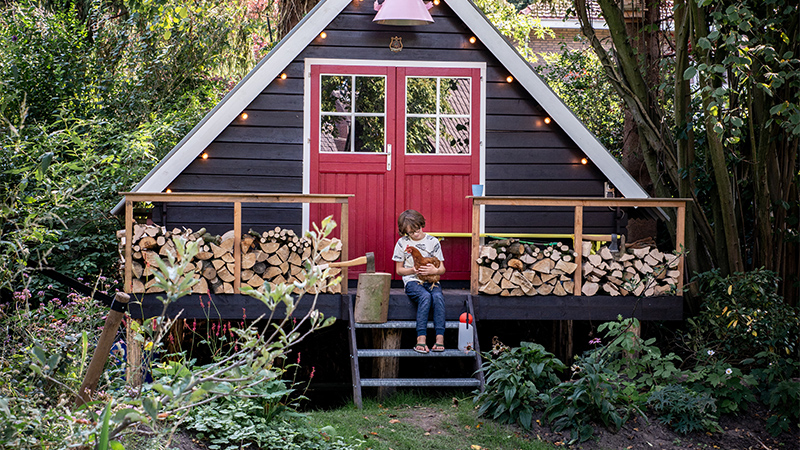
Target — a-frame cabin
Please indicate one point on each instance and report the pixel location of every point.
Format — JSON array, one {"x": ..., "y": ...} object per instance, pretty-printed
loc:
[{"x": 400, "y": 117}]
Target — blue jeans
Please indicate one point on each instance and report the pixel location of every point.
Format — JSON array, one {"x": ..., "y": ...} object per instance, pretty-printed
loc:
[{"x": 425, "y": 296}]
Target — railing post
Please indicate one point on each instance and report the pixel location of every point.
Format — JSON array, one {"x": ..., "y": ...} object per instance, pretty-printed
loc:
[
  {"x": 345, "y": 255},
  {"x": 578, "y": 245},
  {"x": 128, "y": 286},
  {"x": 237, "y": 246},
  {"x": 473, "y": 264},
  {"x": 680, "y": 237}
]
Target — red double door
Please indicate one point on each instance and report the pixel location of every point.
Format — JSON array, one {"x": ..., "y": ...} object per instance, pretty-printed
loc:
[{"x": 397, "y": 138}]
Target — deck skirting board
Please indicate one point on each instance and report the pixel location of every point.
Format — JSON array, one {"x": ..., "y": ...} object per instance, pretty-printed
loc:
[{"x": 550, "y": 307}]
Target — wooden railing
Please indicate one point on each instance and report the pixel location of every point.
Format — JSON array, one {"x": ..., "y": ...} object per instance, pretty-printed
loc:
[
  {"x": 237, "y": 200},
  {"x": 578, "y": 203}
]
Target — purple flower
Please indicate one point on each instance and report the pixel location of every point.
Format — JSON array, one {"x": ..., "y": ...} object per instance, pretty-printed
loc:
[
  {"x": 14, "y": 38},
  {"x": 595, "y": 341}
]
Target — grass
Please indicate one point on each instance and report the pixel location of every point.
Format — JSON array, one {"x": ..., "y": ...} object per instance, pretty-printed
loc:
[{"x": 412, "y": 421}]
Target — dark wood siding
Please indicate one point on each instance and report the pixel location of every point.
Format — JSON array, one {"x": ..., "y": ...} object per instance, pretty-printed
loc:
[{"x": 524, "y": 156}]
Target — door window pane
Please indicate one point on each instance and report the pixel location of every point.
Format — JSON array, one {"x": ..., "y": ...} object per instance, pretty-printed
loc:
[
  {"x": 454, "y": 136},
  {"x": 454, "y": 96},
  {"x": 421, "y": 95},
  {"x": 421, "y": 135},
  {"x": 341, "y": 106},
  {"x": 370, "y": 94},
  {"x": 438, "y": 113}
]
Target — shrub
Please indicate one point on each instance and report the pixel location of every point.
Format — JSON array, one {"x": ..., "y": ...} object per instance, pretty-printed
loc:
[
  {"x": 779, "y": 388},
  {"x": 743, "y": 314},
  {"x": 516, "y": 381},
  {"x": 732, "y": 389},
  {"x": 596, "y": 394},
  {"x": 683, "y": 409}
]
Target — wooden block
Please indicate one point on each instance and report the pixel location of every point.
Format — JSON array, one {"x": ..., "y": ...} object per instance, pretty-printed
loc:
[
  {"x": 569, "y": 286},
  {"x": 544, "y": 289},
  {"x": 269, "y": 247},
  {"x": 204, "y": 256},
  {"x": 605, "y": 253},
  {"x": 626, "y": 257},
  {"x": 497, "y": 277},
  {"x": 294, "y": 258},
  {"x": 544, "y": 265},
  {"x": 559, "y": 290},
  {"x": 595, "y": 260},
  {"x": 649, "y": 260},
  {"x": 484, "y": 274},
  {"x": 611, "y": 289},
  {"x": 641, "y": 252},
  {"x": 201, "y": 287},
  {"x": 490, "y": 288},
  {"x": 225, "y": 275},
  {"x": 589, "y": 289},
  {"x": 586, "y": 248},
  {"x": 516, "y": 264},
  {"x": 566, "y": 267},
  {"x": 248, "y": 260},
  {"x": 247, "y": 274},
  {"x": 256, "y": 281}
]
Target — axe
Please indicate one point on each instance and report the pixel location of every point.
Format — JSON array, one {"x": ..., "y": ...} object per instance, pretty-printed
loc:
[{"x": 368, "y": 259}]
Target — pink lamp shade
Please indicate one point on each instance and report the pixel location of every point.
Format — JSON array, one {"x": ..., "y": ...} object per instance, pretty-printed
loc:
[{"x": 403, "y": 12}]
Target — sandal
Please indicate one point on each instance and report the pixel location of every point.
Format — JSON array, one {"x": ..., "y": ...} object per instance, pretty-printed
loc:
[
  {"x": 438, "y": 347},
  {"x": 421, "y": 348}
]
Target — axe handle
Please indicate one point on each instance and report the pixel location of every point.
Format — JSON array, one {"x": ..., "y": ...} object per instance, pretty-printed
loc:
[{"x": 353, "y": 262}]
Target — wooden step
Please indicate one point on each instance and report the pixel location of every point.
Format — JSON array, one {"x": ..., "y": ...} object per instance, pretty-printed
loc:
[
  {"x": 401, "y": 352},
  {"x": 420, "y": 382}
]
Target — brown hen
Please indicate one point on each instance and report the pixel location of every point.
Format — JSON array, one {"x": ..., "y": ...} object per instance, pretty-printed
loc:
[{"x": 420, "y": 261}]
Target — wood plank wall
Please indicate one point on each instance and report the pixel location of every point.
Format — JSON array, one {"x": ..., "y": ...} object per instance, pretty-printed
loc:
[{"x": 263, "y": 153}]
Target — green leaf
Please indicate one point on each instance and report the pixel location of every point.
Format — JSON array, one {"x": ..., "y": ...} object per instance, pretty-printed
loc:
[
  {"x": 102, "y": 443},
  {"x": 689, "y": 73}
]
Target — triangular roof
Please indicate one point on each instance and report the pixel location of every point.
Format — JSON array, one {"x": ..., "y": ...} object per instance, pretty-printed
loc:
[{"x": 269, "y": 68}]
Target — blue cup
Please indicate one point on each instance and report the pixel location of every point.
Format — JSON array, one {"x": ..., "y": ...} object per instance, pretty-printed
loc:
[{"x": 477, "y": 190}]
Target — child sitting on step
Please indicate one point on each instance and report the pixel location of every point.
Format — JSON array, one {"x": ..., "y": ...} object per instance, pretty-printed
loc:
[{"x": 424, "y": 294}]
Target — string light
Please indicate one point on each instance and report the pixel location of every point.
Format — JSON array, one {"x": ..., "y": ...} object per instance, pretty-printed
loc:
[
  {"x": 204, "y": 155},
  {"x": 510, "y": 79},
  {"x": 472, "y": 40},
  {"x": 283, "y": 76},
  {"x": 436, "y": 2},
  {"x": 547, "y": 120},
  {"x": 244, "y": 116},
  {"x": 584, "y": 161},
  {"x": 169, "y": 191},
  {"x": 323, "y": 35}
]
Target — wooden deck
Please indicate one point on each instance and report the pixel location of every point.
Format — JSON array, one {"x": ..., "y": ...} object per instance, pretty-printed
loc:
[{"x": 237, "y": 306}]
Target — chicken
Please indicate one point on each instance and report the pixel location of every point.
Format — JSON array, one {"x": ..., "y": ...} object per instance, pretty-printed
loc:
[{"x": 419, "y": 261}]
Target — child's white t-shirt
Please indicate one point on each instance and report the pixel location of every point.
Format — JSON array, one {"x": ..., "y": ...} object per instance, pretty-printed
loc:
[{"x": 428, "y": 246}]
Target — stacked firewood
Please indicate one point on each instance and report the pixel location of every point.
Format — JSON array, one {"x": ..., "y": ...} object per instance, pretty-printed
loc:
[
  {"x": 508, "y": 267},
  {"x": 640, "y": 270},
  {"x": 275, "y": 256}
]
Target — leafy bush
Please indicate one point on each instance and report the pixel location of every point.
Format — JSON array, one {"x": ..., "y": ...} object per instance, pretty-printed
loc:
[
  {"x": 779, "y": 387},
  {"x": 594, "y": 395},
  {"x": 683, "y": 409},
  {"x": 732, "y": 389},
  {"x": 743, "y": 314},
  {"x": 516, "y": 381}
]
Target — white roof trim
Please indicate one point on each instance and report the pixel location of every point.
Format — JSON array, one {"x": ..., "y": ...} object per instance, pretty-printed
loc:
[
  {"x": 238, "y": 98},
  {"x": 315, "y": 21}
]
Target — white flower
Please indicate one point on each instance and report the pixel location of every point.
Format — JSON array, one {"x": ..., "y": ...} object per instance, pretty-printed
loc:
[
  {"x": 728, "y": 371},
  {"x": 710, "y": 353}
]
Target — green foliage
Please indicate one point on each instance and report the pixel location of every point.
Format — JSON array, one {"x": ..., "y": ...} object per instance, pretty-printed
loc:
[
  {"x": 742, "y": 315},
  {"x": 640, "y": 361},
  {"x": 517, "y": 28},
  {"x": 91, "y": 97},
  {"x": 595, "y": 394},
  {"x": 45, "y": 345},
  {"x": 516, "y": 381},
  {"x": 578, "y": 78},
  {"x": 683, "y": 409},
  {"x": 732, "y": 389},
  {"x": 779, "y": 389}
]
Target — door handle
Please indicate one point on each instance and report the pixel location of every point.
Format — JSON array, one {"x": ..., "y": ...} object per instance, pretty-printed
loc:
[{"x": 388, "y": 157}]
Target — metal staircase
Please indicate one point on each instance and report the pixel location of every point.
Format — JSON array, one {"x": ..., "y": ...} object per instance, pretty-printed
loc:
[{"x": 476, "y": 381}]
